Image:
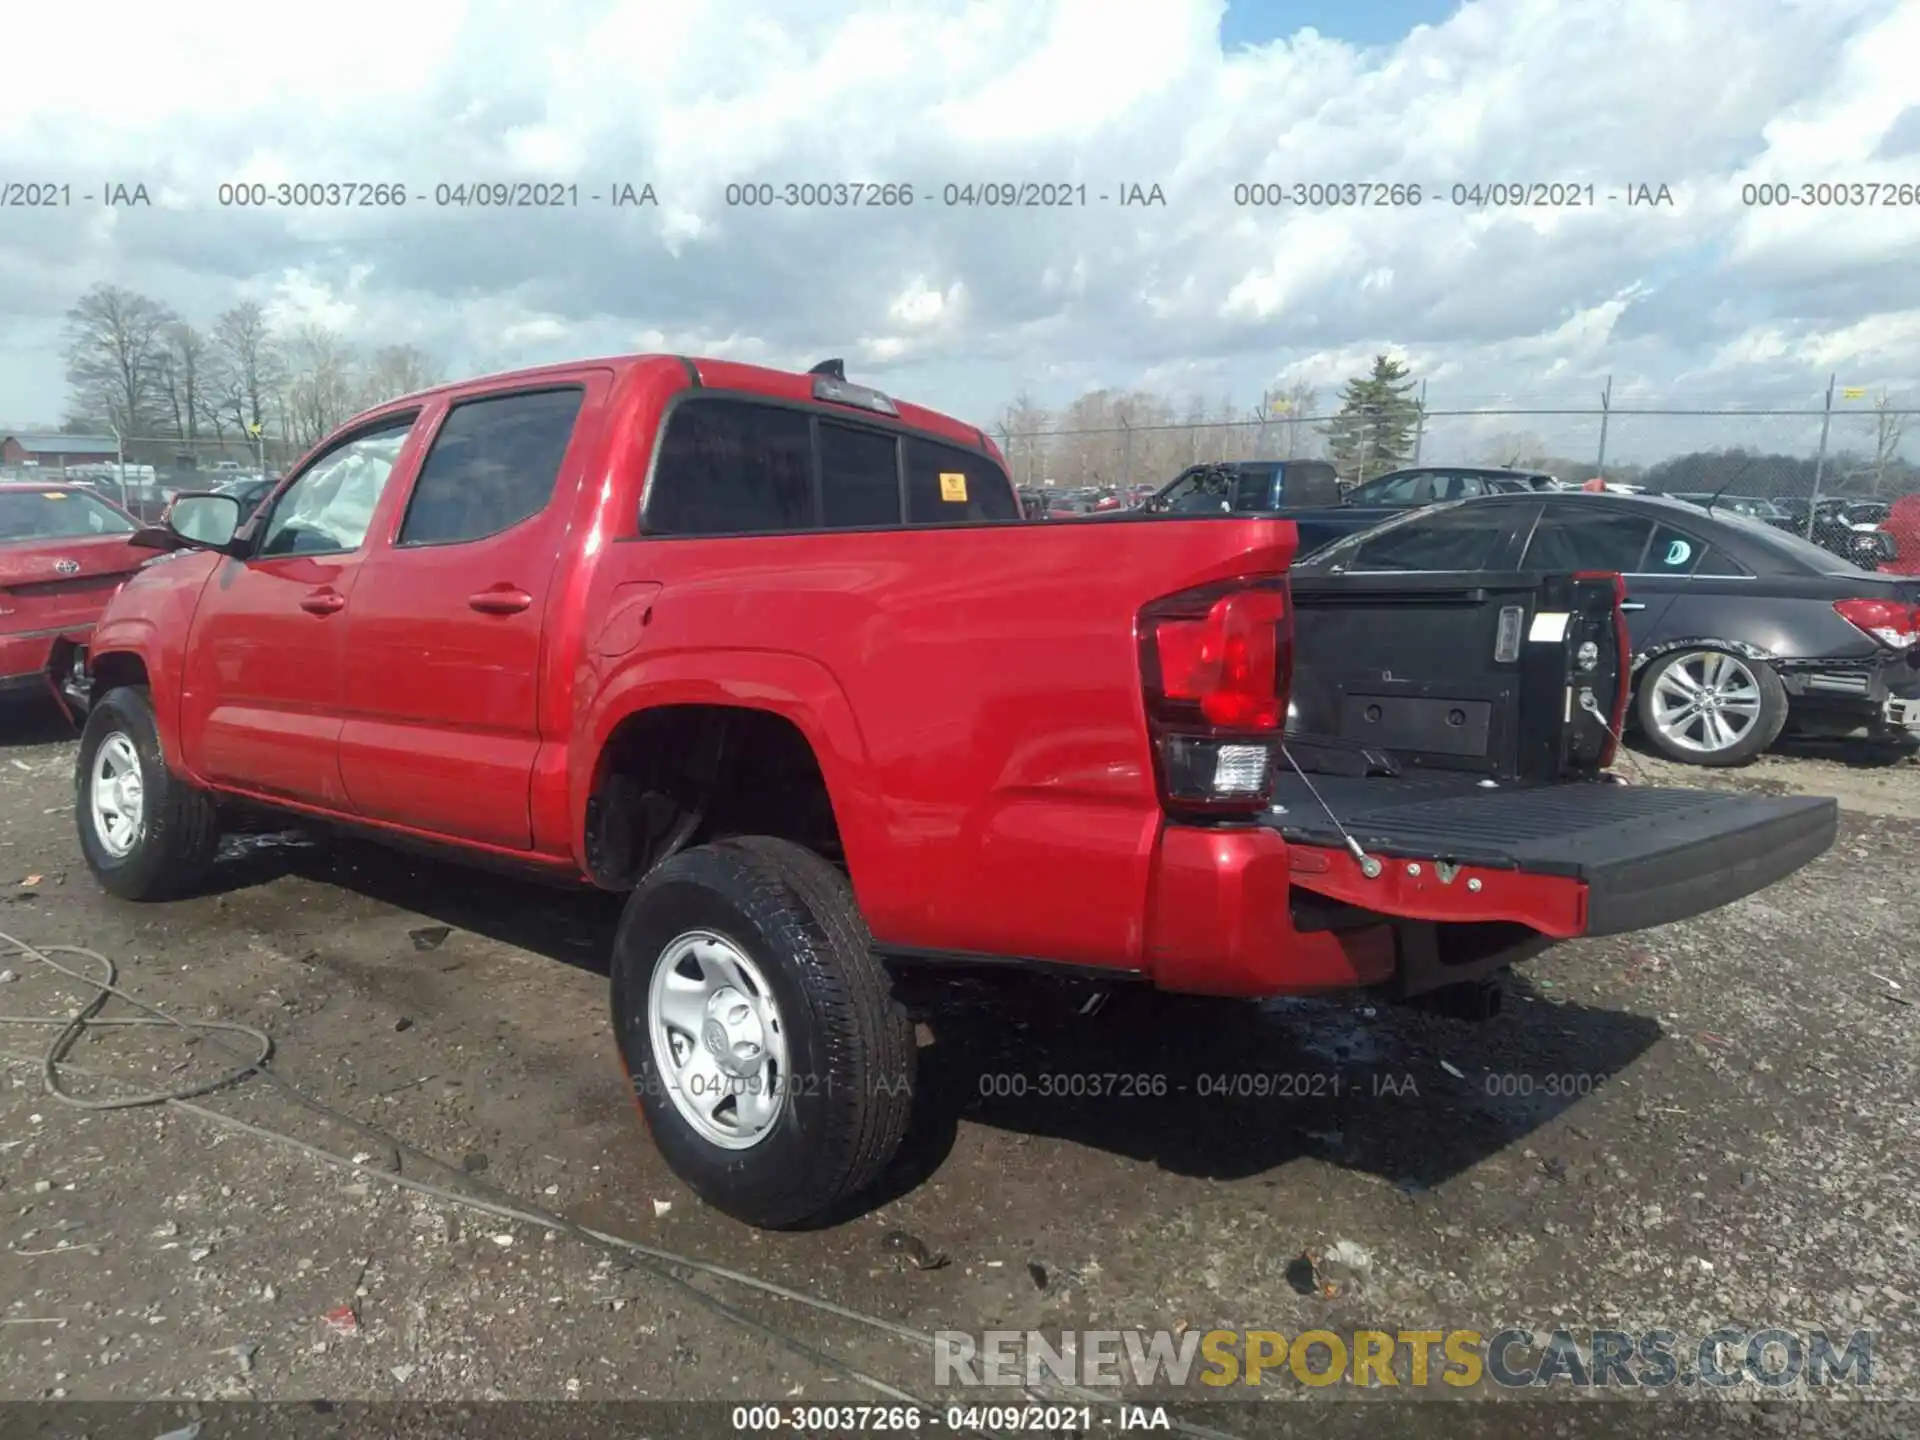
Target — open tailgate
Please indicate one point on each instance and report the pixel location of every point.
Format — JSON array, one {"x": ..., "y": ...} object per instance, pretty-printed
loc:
[
  {"x": 1576, "y": 858},
  {"x": 1453, "y": 726}
]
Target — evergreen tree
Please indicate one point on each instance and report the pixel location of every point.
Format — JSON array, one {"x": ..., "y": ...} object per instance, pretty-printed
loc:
[{"x": 1373, "y": 431}]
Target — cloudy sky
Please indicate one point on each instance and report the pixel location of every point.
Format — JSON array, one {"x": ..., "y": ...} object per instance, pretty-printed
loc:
[{"x": 1706, "y": 301}]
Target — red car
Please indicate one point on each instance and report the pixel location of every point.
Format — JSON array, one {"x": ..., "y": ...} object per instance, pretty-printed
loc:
[
  {"x": 1903, "y": 525},
  {"x": 775, "y": 656},
  {"x": 63, "y": 551}
]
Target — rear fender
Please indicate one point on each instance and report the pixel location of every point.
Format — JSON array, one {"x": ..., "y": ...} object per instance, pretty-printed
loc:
[{"x": 798, "y": 689}]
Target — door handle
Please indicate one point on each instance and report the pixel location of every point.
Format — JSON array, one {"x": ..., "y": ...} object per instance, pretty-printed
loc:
[
  {"x": 323, "y": 602},
  {"x": 1633, "y": 605},
  {"x": 504, "y": 601}
]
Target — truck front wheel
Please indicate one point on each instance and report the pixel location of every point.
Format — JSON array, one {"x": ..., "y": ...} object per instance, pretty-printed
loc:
[
  {"x": 145, "y": 833},
  {"x": 769, "y": 1056}
]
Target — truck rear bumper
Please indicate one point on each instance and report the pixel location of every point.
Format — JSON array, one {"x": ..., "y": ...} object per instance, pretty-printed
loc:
[{"x": 1561, "y": 861}]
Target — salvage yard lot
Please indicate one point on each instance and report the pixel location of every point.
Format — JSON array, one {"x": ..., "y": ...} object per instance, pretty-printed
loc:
[{"x": 1708, "y": 1125}]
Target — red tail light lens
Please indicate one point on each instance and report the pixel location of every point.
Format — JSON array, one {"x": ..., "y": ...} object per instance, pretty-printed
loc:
[
  {"x": 1227, "y": 661},
  {"x": 1217, "y": 664},
  {"x": 1893, "y": 623}
]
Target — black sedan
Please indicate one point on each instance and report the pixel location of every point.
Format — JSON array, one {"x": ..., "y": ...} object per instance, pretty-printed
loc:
[
  {"x": 1437, "y": 484},
  {"x": 1738, "y": 630}
]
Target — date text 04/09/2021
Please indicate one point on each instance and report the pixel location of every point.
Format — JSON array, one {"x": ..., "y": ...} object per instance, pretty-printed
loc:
[
  {"x": 444, "y": 195},
  {"x": 1475, "y": 195},
  {"x": 957, "y": 1419},
  {"x": 976, "y": 194}
]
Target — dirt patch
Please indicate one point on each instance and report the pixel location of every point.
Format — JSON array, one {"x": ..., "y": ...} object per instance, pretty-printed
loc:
[{"x": 1708, "y": 1124}]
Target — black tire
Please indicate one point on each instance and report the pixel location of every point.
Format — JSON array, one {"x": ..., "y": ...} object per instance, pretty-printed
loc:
[
  {"x": 1759, "y": 737},
  {"x": 848, "y": 1096},
  {"x": 179, "y": 830}
]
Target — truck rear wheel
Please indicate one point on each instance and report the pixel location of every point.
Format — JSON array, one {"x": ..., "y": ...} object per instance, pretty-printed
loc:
[
  {"x": 145, "y": 833},
  {"x": 770, "y": 1058}
]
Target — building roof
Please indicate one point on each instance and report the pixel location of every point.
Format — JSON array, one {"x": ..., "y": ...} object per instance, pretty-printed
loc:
[{"x": 64, "y": 444}]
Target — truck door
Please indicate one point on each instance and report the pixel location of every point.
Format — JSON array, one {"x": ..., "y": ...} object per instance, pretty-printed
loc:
[
  {"x": 442, "y": 718},
  {"x": 261, "y": 689}
]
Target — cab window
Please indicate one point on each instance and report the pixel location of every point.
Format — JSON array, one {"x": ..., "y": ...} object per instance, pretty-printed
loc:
[{"x": 328, "y": 508}]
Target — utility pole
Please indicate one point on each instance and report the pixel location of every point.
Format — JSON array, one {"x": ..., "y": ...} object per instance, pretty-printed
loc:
[
  {"x": 1820, "y": 456},
  {"x": 120, "y": 465},
  {"x": 1606, "y": 412},
  {"x": 1420, "y": 423}
]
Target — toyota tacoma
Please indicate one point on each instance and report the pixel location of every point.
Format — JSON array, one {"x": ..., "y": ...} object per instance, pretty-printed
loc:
[{"x": 775, "y": 655}]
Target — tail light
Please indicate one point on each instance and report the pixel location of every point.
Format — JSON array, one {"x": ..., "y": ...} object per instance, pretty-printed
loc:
[
  {"x": 1623, "y": 657},
  {"x": 1216, "y": 664},
  {"x": 1893, "y": 623}
]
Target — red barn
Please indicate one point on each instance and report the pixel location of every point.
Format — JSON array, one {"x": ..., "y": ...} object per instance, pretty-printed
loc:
[{"x": 56, "y": 452}]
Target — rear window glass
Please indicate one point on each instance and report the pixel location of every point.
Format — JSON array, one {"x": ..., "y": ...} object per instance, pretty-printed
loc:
[
  {"x": 1673, "y": 552},
  {"x": 859, "y": 476},
  {"x": 56, "y": 515},
  {"x": 1310, "y": 482},
  {"x": 1795, "y": 553},
  {"x": 946, "y": 484},
  {"x": 1463, "y": 537},
  {"x": 730, "y": 467},
  {"x": 1716, "y": 562},
  {"x": 1568, "y": 539},
  {"x": 1253, "y": 487}
]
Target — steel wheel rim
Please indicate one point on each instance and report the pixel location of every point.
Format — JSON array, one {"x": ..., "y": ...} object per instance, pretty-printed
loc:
[
  {"x": 718, "y": 1042},
  {"x": 116, "y": 795},
  {"x": 1706, "y": 702}
]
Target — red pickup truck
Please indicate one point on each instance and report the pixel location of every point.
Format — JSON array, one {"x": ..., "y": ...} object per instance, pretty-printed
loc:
[{"x": 781, "y": 657}]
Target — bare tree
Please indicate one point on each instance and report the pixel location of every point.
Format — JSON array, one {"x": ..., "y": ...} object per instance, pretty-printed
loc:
[
  {"x": 1889, "y": 429},
  {"x": 397, "y": 370},
  {"x": 1280, "y": 431},
  {"x": 1515, "y": 449},
  {"x": 321, "y": 388},
  {"x": 184, "y": 367},
  {"x": 1024, "y": 424},
  {"x": 247, "y": 368},
  {"x": 116, "y": 346}
]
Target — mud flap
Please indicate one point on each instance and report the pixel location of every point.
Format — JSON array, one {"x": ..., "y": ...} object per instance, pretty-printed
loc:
[{"x": 1596, "y": 859}]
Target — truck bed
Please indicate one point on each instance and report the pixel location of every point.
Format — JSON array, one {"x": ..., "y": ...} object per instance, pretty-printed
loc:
[{"x": 1648, "y": 856}]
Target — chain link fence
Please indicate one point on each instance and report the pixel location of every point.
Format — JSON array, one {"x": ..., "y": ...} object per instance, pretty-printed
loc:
[
  {"x": 1859, "y": 450},
  {"x": 148, "y": 470},
  {"x": 1856, "y": 448}
]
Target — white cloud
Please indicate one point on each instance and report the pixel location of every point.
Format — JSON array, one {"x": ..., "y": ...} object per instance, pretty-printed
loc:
[{"x": 970, "y": 302}]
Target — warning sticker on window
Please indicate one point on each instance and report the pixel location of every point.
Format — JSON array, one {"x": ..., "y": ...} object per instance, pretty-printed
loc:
[{"x": 953, "y": 487}]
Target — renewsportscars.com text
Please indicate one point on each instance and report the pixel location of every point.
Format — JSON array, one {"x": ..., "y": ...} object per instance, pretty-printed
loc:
[{"x": 1513, "y": 1358}]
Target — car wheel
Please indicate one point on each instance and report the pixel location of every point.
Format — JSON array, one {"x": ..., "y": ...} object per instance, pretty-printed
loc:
[
  {"x": 144, "y": 833},
  {"x": 771, "y": 1061},
  {"x": 1711, "y": 707}
]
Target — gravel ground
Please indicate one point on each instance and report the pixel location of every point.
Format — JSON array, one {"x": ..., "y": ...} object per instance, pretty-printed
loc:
[{"x": 1706, "y": 1125}]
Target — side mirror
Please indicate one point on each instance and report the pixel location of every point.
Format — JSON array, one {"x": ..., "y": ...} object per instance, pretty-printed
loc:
[{"x": 197, "y": 521}]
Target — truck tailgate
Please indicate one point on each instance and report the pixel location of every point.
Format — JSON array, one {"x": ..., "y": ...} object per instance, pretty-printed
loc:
[{"x": 1643, "y": 856}]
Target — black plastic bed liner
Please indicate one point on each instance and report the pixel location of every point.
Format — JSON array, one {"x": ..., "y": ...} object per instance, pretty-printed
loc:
[{"x": 1649, "y": 856}]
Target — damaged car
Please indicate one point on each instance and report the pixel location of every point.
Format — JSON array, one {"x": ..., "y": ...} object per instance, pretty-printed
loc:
[
  {"x": 63, "y": 552},
  {"x": 1739, "y": 631}
]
